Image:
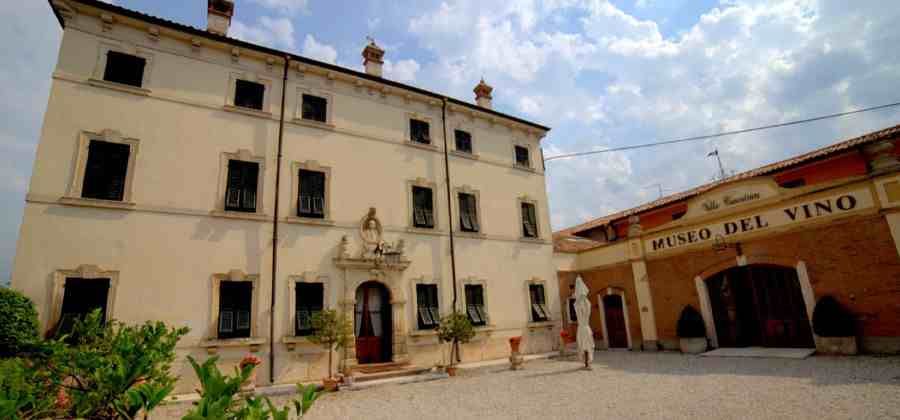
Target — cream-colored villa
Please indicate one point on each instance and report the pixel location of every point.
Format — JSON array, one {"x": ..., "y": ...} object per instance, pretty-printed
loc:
[{"x": 188, "y": 177}]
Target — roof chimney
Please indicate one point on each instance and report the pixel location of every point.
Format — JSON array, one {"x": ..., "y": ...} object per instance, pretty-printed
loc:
[
  {"x": 373, "y": 58},
  {"x": 218, "y": 16},
  {"x": 483, "y": 94}
]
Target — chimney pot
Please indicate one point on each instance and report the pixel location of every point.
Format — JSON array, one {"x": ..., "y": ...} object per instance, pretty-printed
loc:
[
  {"x": 373, "y": 58},
  {"x": 218, "y": 16},
  {"x": 483, "y": 95}
]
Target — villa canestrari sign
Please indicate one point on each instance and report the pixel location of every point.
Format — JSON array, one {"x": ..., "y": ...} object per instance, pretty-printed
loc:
[
  {"x": 730, "y": 200},
  {"x": 792, "y": 214}
]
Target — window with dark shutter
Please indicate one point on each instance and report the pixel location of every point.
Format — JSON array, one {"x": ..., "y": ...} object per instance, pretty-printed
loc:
[
  {"x": 235, "y": 304},
  {"x": 529, "y": 221},
  {"x": 475, "y": 304},
  {"x": 538, "y": 303},
  {"x": 240, "y": 194},
  {"x": 419, "y": 131},
  {"x": 249, "y": 94},
  {"x": 80, "y": 298},
  {"x": 123, "y": 68},
  {"x": 311, "y": 199},
  {"x": 315, "y": 108},
  {"x": 427, "y": 306},
  {"x": 310, "y": 299},
  {"x": 463, "y": 141},
  {"x": 423, "y": 208},
  {"x": 105, "y": 171},
  {"x": 468, "y": 213},
  {"x": 522, "y": 158}
]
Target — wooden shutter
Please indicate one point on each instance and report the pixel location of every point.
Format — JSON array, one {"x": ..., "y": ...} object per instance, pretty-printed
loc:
[
  {"x": 311, "y": 200},
  {"x": 522, "y": 158},
  {"x": 80, "y": 298},
  {"x": 249, "y": 94},
  {"x": 106, "y": 170},
  {"x": 309, "y": 298},
  {"x": 240, "y": 193},
  {"x": 468, "y": 212},
  {"x": 529, "y": 222},
  {"x": 475, "y": 304},
  {"x": 235, "y": 305},
  {"x": 427, "y": 306},
  {"x": 463, "y": 141},
  {"x": 423, "y": 207},
  {"x": 314, "y": 108},
  {"x": 538, "y": 302},
  {"x": 419, "y": 131}
]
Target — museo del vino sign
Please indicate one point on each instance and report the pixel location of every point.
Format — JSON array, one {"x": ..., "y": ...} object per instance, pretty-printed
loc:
[{"x": 819, "y": 208}]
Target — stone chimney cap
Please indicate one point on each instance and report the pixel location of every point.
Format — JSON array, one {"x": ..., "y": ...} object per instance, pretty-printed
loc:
[
  {"x": 483, "y": 90},
  {"x": 222, "y": 7},
  {"x": 373, "y": 52}
]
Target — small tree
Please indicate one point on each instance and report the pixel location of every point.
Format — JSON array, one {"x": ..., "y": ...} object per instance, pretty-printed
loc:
[
  {"x": 455, "y": 329},
  {"x": 690, "y": 324},
  {"x": 830, "y": 319},
  {"x": 332, "y": 331},
  {"x": 18, "y": 323}
]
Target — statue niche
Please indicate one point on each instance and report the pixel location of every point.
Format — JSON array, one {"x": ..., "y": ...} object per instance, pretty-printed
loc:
[{"x": 374, "y": 250}]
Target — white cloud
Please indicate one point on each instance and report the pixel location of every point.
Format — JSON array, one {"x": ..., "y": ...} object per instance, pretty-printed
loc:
[
  {"x": 401, "y": 71},
  {"x": 322, "y": 52},
  {"x": 268, "y": 31},
  {"x": 285, "y": 6}
]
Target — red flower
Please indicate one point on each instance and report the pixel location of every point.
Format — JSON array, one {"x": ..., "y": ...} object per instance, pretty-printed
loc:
[
  {"x": 62, "y": 399},
  {"x": 250, "y": 360}
]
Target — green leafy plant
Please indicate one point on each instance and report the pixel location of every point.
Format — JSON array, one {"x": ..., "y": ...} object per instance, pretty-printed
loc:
[
  {"x": 831, "y": 319},
  {"x": 455, "y": 329},
  {"x": 690, "y": 323},
  {"x": 26, "y": 392},
  {"x": 18, "y": 323},
  {"x": 332, "y": 331}
]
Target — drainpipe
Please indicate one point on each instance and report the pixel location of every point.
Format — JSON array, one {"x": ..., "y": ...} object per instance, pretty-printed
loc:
[
  {"x": 449, "y": 203},
  {"x": 287, "y": 62}
]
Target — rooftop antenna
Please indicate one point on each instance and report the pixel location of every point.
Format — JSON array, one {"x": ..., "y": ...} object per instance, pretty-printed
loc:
[
  {"x": 718, "y": 159},
  {"x": 659, "y": 187}
]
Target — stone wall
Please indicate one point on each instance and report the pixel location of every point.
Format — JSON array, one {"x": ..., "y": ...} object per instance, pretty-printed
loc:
[{"x": 598, "y": 280}]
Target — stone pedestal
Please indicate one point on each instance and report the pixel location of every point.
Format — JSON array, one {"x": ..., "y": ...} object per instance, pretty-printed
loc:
[{"x": 516, "y": 362}]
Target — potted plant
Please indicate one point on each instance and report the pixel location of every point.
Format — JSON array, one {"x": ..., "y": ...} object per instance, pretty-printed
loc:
[
  {"x": 691, "y": 331},
  {"x": 835, "y": 328},
  {"x": 332, "y": 331},
  {"x": 455, "y": 329}
]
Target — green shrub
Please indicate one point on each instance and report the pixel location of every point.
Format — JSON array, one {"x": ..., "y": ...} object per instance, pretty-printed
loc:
[
  {"x": 18, "y": 323},
  {"x": 332, "y": 331},
  {"x": 26, "y": 390},
  {"x": 690, "y": 323},
  {"x": 831, "y": 319},
  {"x": 455, "y": 329}
]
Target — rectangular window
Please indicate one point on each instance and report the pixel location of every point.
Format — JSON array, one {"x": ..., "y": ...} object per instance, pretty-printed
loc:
[
  {"x": 106, "y": 170},
  {"x": 463, "y": 141},
  {"x": 315, "y": 108},
  {"x": 427, "y": 306},
  {"x": 310, "y": 298},
  {"x": 475, "y": 304},
  {"x": 522, "y": 158},
  {"x": 311, "y": 200},
  {"x": 529, "y": 221},
  {"x": 81, "y": 297},
  {"x": 573, "y": 316},
  {"x": 235, "y": 299},
  {"x": 240, "y": 194},
  {"x": 419, "y": 131},
  {"x": 123, "y": 68},
  {"x": 423, "y": 207},
  {"x": 249, "y": 94},
  {"x": 538, "y": 303},
  {"x": 468, "y": 213}
]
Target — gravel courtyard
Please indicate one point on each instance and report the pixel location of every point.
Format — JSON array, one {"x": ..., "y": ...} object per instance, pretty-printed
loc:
[{"x": 640, "y": 385}]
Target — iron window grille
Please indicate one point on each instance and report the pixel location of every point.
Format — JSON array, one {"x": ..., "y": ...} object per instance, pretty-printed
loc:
[
  {"x": 124, "y": 68},
  {"x": 80, "y": 298},
  {"x": 463, "y": 141},
  {"x": 468, "y": 213},
  {"x": 529, "y": 221},
  {"x": 310, "y": 299},
  {"x": 235, "y": 302},
  {"x": 311, "y": 197},
  {"x": 427, "y": 306},
  {"x": 240, "y": 194},
  {"x": 419, "y": 131},
  {"x": 522, "y": 157},
  {"x": 475, "y": 304},
  {"x": 538, "y": 303},
  {"x": 423, "y": 207},
  {"x": 106, "y": 171},
  {"x": 315, "y": 108},
  {"x": 249, "y": 94}
]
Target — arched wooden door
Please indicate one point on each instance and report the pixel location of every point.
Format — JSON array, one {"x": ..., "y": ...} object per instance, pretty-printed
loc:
[
  {"x": 373, "y": 323},
  {"x": 614, "y": 316}
]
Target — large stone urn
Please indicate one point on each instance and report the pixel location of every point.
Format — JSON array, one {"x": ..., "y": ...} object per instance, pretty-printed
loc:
[{"x": 694, "y": 345}]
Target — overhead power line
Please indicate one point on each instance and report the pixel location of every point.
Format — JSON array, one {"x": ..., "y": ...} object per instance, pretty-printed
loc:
[{"x": 722, "y": 134}]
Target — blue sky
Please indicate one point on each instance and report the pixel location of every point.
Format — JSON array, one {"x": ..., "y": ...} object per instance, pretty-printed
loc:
[{"x": 601, "y": 73}]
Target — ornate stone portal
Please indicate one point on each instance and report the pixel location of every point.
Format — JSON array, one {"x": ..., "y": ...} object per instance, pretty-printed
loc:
[{"x": 374, "y": 260}]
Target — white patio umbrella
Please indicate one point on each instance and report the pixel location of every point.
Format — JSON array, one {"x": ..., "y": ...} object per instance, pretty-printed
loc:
[{"x": 585, "y": 337}]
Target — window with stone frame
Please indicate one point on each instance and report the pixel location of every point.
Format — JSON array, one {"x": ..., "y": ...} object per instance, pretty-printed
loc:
[
  {"x": 419, "y": 131},
  {"x": 310, "y": 298},
  {"x": 311, "y": 196},
  {"x": 538, "y": 303},
  {"x": 124, "y": 68},
  {"x": 106, "y": 170},
  {"x": 315, "y": 108},
  {"x": 80, "y": 298},
  {"x": 427, "y": 306},
  {"x": 522, "y": 156},
  {"x": 475, "y": 304},
  {"x": 463, "y": 141},
  {"x": 235, "y": 303},
  {"x": 240, "y": 192},
  {"x": 529, "y": 221},
  {"x": 249, "y": 94},
  {"x": 468, "y": 213},
  {"x": 423, "y": 207}
]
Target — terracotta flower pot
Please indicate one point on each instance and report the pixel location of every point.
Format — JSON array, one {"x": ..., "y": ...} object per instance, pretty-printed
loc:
[
  {"x": 451, "y": 370},
  {"x": 514, "y": 343},
  {"x": 330, "y": 384}
]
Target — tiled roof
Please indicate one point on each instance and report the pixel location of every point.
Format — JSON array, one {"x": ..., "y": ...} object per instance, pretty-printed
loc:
[
  {"x": 572, "y": 244},
  {"x": 764, "y": 170}
]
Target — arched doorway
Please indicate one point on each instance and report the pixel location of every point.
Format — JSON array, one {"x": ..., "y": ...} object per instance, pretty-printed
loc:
[
  {"x": 614, "y": 319},
  {"x": 373, "y": 324},
  {"x": 759, "y": 305}
]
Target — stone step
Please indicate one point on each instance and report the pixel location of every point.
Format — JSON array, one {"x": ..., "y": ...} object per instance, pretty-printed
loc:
[
  {"x": 396, "y": 380},
  {"x": 407, "y": 370}
]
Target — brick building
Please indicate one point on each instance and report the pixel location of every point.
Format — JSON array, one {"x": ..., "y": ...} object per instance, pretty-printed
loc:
[{"x": 753, "y": 252}]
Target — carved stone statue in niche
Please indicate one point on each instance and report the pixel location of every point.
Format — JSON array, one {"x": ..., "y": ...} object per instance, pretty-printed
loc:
[{"x": 371, "y": 233}]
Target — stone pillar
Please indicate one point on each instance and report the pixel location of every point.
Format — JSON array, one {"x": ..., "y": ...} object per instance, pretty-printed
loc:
[
  {"x": 348, "y": 306},
  {"x": 642, "y": 285},
  {"x": 398, "y": 329}
]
